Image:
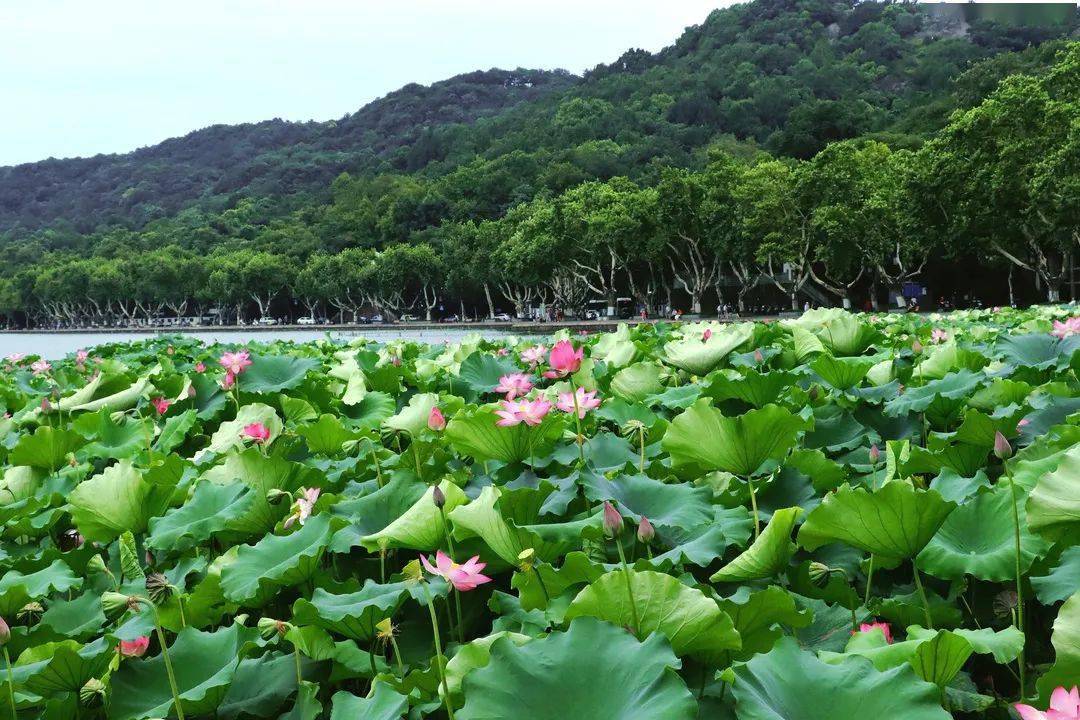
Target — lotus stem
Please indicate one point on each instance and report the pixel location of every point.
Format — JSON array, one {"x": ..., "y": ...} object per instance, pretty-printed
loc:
[
  {"x": 168, "y": 661},
  {"x": 753, "y": 505},
  {"x": 10, "y": 684},
  {"x": 629, "y": 587},
  {"x": 869, "y": 581},
  {"x": 543, "y": 586},
  {"x": 438, "y": 650},
  {"x": 641, "y": 444},
  {"x": 299, "y": 673},
  {"x": 922, "y": 596},
  {"x": 397, "y": 657},
  {"x": 577, "y": 422},
  {"x": 457, "y": 595},
  {"x": 416, "y": 457},
  {"x": 1021, "y": 659}
]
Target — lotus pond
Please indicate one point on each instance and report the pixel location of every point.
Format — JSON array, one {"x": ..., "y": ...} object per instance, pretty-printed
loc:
[{"x": 839, "y": 516}]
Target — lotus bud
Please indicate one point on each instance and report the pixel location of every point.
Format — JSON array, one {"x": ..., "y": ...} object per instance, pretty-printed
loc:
[
  {"x": 413, "y": 571},
  {"x": 92, "y": 694},
  {"x": 158, "y": 588},
  {"x": 645, "y": 531},
  {"x": 5, "y": 632},
  {"x": 916, "y": 347},
  {"x": 706, "y": 335},
  {"x": 526, "y": 558},
  {"x": 114, "y": 603},
  {"x": 436, "y": 420},
  {"x": 45, "y": 405},
  {"x": 438, "y": 497},
  {"x": 1002, "y": 449},
  {"x": 813, "y": 393},
  {"x": 613, "y": 521},
  {"x": 819, "y": 574},
  {"x": 758, "y": 357},
  {"x": 269, "y": 627},
  {"x": 875, "y": 454}
]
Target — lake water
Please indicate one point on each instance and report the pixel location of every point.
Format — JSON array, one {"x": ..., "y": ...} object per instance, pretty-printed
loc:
[{"x": 56, "y": 345}]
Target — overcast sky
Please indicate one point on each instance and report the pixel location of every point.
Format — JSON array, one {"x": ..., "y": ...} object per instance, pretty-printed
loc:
[{"x": 79, "y": 78}]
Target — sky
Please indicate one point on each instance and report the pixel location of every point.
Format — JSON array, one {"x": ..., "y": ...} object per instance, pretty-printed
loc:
[{"x": 79, "y": 78}]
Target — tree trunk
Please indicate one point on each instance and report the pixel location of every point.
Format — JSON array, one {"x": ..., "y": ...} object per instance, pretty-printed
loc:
[{"x": 490, "y": 302}]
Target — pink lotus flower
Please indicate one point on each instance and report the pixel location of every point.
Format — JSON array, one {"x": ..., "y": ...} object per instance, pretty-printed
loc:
[
  {"x": 161, "y": 405},
  {"x": 564, "y": 360},
  {"x": 530, "y": 412},
  {"x": 436, "y": 420},
  {"x": 883, "y": 627},
  {"x": 1064, "y": 705},
  {"x": 302, "y": 507},
  {"x": 502, "y": 352},
  {"x": 235, "y": 362},
  {"x": 758, "y": 357},
  {"x": 15, "y": 358},
  {"x": 228, "y": 381},
  {"x": 938, "y": 336},
  {"x": 81, "y": 356},
  {"x": 256, "y": 431},
  {"x": 1066, "y": 329},
  {"x": 586, "y": 401},
  {"x": 705, "y": 336},
  {"x": 534, "y": 355},
  {"x": 134, "y": 648},
  {"x": 463, "y": 577},
  {"x": 200, "y": 367},
  {"x": 515, "y": 385},
  {"x": 40, "y": 367}
]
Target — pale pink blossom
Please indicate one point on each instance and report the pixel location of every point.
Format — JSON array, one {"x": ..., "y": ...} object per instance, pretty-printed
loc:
[
  {"x": 302, "y": 507},
  {"x": 81, "y": 357},
  {"x": 705, "y": 336},
  {"x": 1064, "y": 705},
  {"x": 1024, "y": 422},
  {"x": 436, "y": 420},
  {"x": 882, "y": 626},
  {"x": 134, "y": 648},
  {"x": 1067, "y": 328},
  {"x": 564, "y": 359},
  {"x": 515, "y": 385},
  {"x": 228, "y": 381},
  {"x": 200, "y": 367},
  {"x": 464, "y": 577},
  {"x": 15, "y": 358},
  {"x": 586, "y": 401},
  {"x": 938, "y": 336},
  {"x": 515, "y": 412},
  {"x": 534, "y": 355},
  {"x": 502, "y": 352},
  {"x": 40, "y": 367},
  {"x": 257, "y": 432},
  {"x": 161, "y": 405},
  {"x": 235, "y": 362}
]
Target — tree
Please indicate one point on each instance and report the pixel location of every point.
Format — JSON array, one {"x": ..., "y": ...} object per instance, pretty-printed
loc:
[{"x": 264, "y": 275}]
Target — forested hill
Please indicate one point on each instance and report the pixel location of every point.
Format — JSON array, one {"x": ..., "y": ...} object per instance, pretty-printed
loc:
[
  {"x": 789, "y": 76},
  {"x": 212, "y": 166}
]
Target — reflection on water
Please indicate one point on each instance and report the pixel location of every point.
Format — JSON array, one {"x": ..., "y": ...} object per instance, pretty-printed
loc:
[{"x": 57, "y": 345}]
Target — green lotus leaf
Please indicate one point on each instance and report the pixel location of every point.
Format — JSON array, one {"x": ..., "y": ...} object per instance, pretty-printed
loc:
[
  {"x": 704, "y": 544},
  {"x": 274, "y": 373},
  {"x": 1062, "y": 581},
  {"x": 174, "y": 431},
  {"x": 17, "y": 589},
  {"x": 791, "y": 683},
  {"x": 481, "y": 371},
  {"x": 1053, "y": 507},
  {"x": 957, "y": 386},
  {"x": 843, "y": 372},
  {"x": 501, "y": 520},
  {"x": 769, "y": 554},
  {"x": 1004, "y": 645},
  {"x": 1066, "y": 641},
  {"x": 373, "y": 512},
  {"x": 680, "y": 397},
  {"x": 594, "y": 670},
  {"x": 473, "y": 432},
  {"x": 940, "y": 360},
  {"x": 935, "y": 656},
  {"x": 262, "y": 474},
  {"x": 700, "y": 357},
  {"x": 47, "y": 448},
  {"x": 111, "y": 439},
  {"x": 211, "y": 508},
  {"x": 705, "y": 438},
  {"x": 671, "y": 505},
  {"x": 638, "y": 381},
  {"x": 78, "y": 618},
  {"x": 60, "y": 667},
  {"x": 352, "y": 615},
  {"x": 204, "y": 664},
  {"x": 472, "y": 655},
  {"x": 806, "y": 343},
  {"x": 122, "y": 400},
  {"x": 119, "y": 499},
  {"x": 616, "y": 349},
  {"x": 276, "y": 561},
  {"x": 384, "y": 703},
  {"x": 752, "y": 387},
  {"x": 326, "y": 436},
  {"x": 760, "y": 617},
  {"x": 691, "y": 621},
  {"x": 978, "y": 539},
  {"x": 421, "y": 527},
  {"x": 1037, "y": 350},
  {"x": 895, "y": 521},
  {"x": 413, "y": 418},
  {"x": 259, "y": 687},
  {"x": 307, "y": 705},
  {"x": 229, "y": 434}
]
